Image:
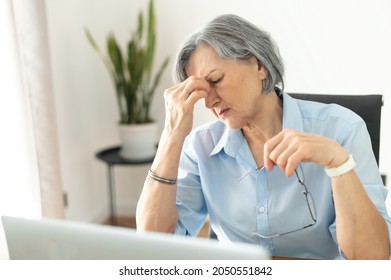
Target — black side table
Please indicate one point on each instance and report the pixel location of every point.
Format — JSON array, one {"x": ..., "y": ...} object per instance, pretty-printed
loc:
[{"x": 111, "y": 157}]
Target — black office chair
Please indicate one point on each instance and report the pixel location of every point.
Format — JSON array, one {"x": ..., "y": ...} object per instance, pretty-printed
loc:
[{"x": 368, "y": 107}]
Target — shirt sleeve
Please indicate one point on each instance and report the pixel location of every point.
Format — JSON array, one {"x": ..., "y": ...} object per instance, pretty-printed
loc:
[
  {"x": 190, "y": 202},
  {"x": 356, "y": 141}
]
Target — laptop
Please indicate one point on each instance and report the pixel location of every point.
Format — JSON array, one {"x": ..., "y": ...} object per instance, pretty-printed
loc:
[{"x": 50, "y": 239}]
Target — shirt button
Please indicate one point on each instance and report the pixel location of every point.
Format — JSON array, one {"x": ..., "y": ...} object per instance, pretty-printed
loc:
[{"x": 261, "y": 209}]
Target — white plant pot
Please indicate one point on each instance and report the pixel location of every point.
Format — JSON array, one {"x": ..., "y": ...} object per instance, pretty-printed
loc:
[{"x": 138, "y": 140}]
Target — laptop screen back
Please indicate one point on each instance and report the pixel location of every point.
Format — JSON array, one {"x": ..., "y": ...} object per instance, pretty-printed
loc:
[{"x": 47, "y": 239}]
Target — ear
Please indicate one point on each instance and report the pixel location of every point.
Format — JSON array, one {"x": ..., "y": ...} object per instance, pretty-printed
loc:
[{"x": 262, "y": 71}]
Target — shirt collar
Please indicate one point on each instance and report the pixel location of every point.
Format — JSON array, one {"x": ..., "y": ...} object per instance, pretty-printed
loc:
[
  {"x": 291, "y": 113},
  {"x": 231, "y": 140}
]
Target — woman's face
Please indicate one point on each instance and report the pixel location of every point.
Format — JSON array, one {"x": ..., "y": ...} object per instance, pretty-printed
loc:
[{"x": 236, "y": 92}]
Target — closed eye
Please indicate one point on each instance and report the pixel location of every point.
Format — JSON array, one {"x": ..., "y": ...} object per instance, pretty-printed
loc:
[{"x": 216, "y": 81}]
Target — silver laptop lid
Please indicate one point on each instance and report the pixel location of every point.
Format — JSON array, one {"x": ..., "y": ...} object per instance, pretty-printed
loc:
[{"x": 47, "y": 239}]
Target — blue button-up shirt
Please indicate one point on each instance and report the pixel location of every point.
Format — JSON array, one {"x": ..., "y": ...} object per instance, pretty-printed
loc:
[{"x": 214, "y": 158}]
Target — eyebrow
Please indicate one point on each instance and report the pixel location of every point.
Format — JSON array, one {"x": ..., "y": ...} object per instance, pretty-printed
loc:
[{"x": 210, "y": 72}]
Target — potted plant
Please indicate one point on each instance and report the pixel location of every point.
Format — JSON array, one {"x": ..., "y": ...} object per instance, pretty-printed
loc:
[{"x": 131, "y": 72}]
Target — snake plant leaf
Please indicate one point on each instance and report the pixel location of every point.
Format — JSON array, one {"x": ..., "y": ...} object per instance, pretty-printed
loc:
[
  {"x": 151, "y": 39},
  {"x": 140, "y": 28},
  {"x": 149, "y": 93},
  {"x": 158, "y": 77},
  {"x": 91, "y": 40},
  {"x": 131, "y": 71},
  {"x": 115, "y": 54},
  {"x": 132, "y": 57},
  {"x": 103, "y": 56}
]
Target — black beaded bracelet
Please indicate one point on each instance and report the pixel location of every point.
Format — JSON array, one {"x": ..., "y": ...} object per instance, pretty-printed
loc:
[{"x": 161, "y": 179}]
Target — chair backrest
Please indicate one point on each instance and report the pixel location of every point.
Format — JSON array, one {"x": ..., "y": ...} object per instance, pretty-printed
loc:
[{"x": 368, "y": 107}]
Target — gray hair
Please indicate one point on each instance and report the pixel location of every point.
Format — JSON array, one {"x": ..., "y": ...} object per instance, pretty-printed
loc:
[{"x": 232, "y": 37}]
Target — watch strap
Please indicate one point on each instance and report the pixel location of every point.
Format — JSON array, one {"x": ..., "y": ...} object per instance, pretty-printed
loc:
[{"x": 342, "y": 169}]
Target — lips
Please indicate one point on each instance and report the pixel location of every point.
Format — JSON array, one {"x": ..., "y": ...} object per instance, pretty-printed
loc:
[{"x": 222, "y": 112}]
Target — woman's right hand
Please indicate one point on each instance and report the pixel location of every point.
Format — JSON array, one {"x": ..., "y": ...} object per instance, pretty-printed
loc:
[
  {"x": 156, "y": 209},
  {"x": 180, "y": 101}
]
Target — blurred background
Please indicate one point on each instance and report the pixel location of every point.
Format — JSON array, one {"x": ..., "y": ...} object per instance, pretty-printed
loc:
[{"x": 331, "y": 47}]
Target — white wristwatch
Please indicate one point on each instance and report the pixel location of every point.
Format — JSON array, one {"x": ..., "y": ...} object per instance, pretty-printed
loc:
[{"x": 342, "y": 169}]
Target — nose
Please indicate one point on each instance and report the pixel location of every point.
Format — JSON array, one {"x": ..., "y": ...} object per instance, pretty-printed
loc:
[{"x": 212, "y": 99}]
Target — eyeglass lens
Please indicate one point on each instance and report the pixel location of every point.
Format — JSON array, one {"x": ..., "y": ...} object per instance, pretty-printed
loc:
[{"x": 309, "y": 201}]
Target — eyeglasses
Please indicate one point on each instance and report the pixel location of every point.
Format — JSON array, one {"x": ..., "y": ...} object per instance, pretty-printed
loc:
[{"x": 308, "y": 198}]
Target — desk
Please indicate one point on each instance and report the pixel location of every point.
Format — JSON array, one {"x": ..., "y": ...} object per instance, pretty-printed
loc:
[{"x": 111, "y": 157}]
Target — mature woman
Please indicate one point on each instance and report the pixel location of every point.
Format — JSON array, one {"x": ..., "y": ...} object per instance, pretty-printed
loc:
[{"x": 297, "y": 177}]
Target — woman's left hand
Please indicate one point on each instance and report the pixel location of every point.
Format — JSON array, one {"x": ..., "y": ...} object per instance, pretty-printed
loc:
[{"x": 289, "y": 147}]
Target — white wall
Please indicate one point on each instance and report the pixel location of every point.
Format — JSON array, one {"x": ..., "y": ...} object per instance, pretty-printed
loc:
[{"x": 338, "y": 46}]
